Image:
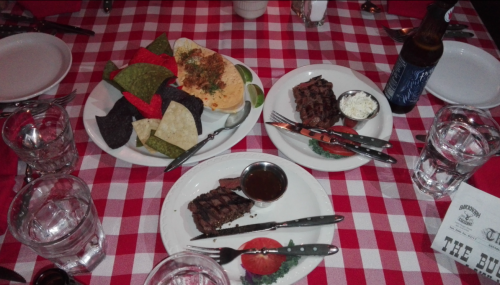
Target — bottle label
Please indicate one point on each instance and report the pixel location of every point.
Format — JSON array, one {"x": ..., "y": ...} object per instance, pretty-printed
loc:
[
  {"x": 447, "y": 16},
  {"x": 406, "y": 82}
]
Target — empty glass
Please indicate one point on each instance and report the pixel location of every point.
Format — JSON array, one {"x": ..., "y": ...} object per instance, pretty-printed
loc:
[
  {"x": 462, "y": 138},
  {"x": 56, "y": 217},
  {"x": 188, "y": 268}
]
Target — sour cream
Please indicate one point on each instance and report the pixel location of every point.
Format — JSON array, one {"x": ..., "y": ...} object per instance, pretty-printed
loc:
[{"x": 358, "y": 106}]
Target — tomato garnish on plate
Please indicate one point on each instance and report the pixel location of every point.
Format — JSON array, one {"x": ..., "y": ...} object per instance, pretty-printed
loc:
[
  {"x": 337, "y": 149},
  {"x": 259, "y": 263}
]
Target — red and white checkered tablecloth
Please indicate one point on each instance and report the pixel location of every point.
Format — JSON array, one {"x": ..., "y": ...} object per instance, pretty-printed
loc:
[{"x": 388, "y": 229}]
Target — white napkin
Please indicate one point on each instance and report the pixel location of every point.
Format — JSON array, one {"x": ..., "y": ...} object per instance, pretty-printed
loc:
[{"x": 470, "y": 232}]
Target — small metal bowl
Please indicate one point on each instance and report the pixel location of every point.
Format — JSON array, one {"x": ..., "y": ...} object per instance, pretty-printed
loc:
[
  {"x": 263, "y": 182},
  {"x": 352, "y": 122}
]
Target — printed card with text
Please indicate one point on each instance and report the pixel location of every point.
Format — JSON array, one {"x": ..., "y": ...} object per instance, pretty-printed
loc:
[{"x": 470, "y": 232}]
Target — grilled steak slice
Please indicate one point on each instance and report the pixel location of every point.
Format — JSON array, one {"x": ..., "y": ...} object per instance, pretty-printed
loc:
[
  {"x": 217, "y": 207},
  {"x": 230, "y": 183},
  {"x": 316, "y": 103}
]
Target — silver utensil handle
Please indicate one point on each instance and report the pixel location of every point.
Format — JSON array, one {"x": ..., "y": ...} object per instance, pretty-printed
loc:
[
  {"x": 312, "y": 221},
  {"x": 306, "y": 249},
  {"x": 363, "y": 139},
  {"x": 371, "y": 153}
]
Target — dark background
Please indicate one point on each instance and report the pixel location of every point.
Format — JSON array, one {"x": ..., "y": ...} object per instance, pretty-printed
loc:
[{"x": 489, "y": 11}]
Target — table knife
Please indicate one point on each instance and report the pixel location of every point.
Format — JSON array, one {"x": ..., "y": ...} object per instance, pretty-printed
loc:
[
  {"x": 11, "y": 275},
  {"x": 271, "y": 226},
  {"x": 370, "y": 141},
  {"x": 368, "y": 152}
]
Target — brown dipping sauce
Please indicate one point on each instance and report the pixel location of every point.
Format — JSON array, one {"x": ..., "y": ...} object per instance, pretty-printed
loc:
[{"x": 263, "y": 185}]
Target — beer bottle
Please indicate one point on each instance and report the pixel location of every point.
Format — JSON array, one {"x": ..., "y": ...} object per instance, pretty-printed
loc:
[{"x": 418, "y": 57}]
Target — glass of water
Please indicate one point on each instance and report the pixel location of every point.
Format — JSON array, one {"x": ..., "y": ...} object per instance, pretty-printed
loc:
[
  {"x": 55, "y": 216},
  {"x": 188, "y": 268},
  {"x": 41, "y": 135},
  {"x": 461, "y": 139}
]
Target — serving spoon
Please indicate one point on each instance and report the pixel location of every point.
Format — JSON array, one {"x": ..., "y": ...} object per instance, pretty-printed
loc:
[{"x": 232, "y": 121}]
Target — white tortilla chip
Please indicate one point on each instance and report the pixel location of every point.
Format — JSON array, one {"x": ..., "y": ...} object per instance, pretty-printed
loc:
[
  {"x": 178, "y": 127},
  {"x": 143, "y": 129}
]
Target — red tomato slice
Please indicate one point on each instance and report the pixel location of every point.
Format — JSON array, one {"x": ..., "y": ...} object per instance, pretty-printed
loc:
[
  {"x": 337, "y": 149},
  {"x": 259, "y": 263}
]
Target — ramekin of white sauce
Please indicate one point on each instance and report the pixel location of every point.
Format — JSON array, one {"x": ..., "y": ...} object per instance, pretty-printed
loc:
[{"x": 357, "y": 107}]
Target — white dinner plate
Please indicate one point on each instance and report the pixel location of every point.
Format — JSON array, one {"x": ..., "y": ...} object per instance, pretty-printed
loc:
[
  {"x": 31, "y": 64},
  {"x": 466, "y": 75},
  {"x": 296, "y": 147},
  {"x": 303, "y": 198},
  {"x": 104, "y": 96}
]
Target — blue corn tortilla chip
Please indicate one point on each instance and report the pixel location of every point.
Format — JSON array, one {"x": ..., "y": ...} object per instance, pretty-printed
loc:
[
  {"x": 192, "y": 103},
  {"x": 116, "y": 127}
]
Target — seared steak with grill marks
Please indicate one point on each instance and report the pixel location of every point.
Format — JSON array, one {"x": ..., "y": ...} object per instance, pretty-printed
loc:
[
  {"x": 316, "y": 103},
  {"x": 217, "y": 207}
]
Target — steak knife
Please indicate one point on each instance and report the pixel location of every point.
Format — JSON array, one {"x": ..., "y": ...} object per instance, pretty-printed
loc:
[
  {"x": 352, "y": 137},
  {"x": 368, "y": 152},
  {"x": 271, "y": 226},
  {"x": 11, "y": 275}
]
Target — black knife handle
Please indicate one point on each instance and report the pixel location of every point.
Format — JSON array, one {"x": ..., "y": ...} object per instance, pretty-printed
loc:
[
  {"x": 371, "y": 153},
  {"x": 17, "y": 18},
  {"x": 362, "y": 139},
  {"x": 306, "y": 249},
  {"x": 312, "y": 221},
  {"x": 16, "y": 29},
  {"x": 456, "y": 27},
  {"x": 458, "y": 34},
  {"x": 65, "y": 28}
]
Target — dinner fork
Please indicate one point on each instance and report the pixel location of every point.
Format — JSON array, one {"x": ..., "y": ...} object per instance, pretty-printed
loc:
[
  {"x": 59, "y": 101},
  {"x": 453, "y": 31},
  {"x": 277, "y": 117},
  {"x": 224, "y": 255}
]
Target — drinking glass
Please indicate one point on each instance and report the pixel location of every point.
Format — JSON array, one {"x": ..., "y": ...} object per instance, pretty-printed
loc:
[
  {"x": 51, "y": 147},
  {"x": 461, "y": 139},
  {"x": 55, "y": 216},
  {"x": 250, "y": 9},
  {"x": 188, "y": 268},
  {"x": 312, "y": 12}
]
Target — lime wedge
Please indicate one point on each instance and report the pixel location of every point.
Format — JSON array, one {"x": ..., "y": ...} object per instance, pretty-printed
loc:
[
  {"x": 256, "y": 95},
  {"x": 245, "y": 73}
]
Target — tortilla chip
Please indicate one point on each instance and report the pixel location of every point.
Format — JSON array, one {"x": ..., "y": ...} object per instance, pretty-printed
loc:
[
  {"x": 143, "y": 129},
  {"x": 193, "y": 103},
  {"x": 116, "y": 126},
  {"x": 110, "y": 70},
  {"x": 142, "y": 79},
  {"x": 178, "y": 127},
  {"x": 160, "y": 45}
]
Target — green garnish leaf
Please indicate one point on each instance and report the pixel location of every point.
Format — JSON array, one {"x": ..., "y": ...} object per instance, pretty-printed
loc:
[
  {"x": 256, "y": 279},
  {"x": 313, "y": 144}
]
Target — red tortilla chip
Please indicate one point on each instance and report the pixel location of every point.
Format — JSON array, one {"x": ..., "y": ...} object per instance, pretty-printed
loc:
[
  {"x": 113, "y": 73},
  {"x": 145, "y": 56},
  {"x": 150, "y": 111}
]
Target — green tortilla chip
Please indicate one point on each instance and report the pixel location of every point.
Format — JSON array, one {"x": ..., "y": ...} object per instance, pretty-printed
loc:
[
  {"x": 142, "y": 79},
  {"x": 160, "y": 45},
  {"x": 110, "y": 67},
  {"x": 164, "y": 147}
]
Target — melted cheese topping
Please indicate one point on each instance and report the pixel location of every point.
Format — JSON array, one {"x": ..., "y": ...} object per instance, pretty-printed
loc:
[{"x": 358, "y": 106}]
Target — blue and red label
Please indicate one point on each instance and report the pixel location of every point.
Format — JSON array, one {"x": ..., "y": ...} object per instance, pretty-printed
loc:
[{"x": 406, "y": 83}]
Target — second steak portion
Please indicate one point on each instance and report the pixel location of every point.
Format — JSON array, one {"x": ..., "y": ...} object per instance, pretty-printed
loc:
[
  {"x": 217, "y": 207},
  {"x": 316, "y": 103}
]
